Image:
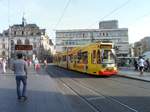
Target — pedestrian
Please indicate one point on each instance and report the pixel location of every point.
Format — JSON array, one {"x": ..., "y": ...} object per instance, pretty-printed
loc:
[
  {"x": 4, "y": 65},
  {"x": 1, "y": 67},
  {"x": 147, "y": 65},
  {"x": 141, "y": 65},
  {"x": 20, "y": 71},
  {"x": 29, "y": 62},
  {"x": 37, "y": 65},
  {"x": 135, "y": 65},
  {"x": 45, "y": 64}
]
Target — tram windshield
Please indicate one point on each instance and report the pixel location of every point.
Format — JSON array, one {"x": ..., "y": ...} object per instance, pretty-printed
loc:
[{"x": 108, "y": 56}]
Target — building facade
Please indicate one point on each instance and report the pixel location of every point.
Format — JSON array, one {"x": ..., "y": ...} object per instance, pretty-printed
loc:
[
  {"x": 24, "y": 34},
  {"x": 108, "y": 31},
  {"x": 3, "y": 46},
  {"x": 142, "y": 46}
]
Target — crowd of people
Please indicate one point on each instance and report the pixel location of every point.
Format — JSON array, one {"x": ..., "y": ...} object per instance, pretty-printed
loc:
[{"x": 4, "y": 64}]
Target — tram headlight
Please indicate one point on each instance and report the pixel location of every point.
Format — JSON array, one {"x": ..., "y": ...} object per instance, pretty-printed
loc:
[{"x": 110, "y": 65}]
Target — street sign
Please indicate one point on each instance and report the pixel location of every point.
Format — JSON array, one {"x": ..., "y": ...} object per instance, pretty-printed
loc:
[{"x": 23, "y": 47}]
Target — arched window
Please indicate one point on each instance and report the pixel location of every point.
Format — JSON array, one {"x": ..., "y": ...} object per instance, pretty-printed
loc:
[
  {"x": 27, "y": 42},
  {"x": 12, "y": 45},
  {"x": 12, "y": 42},
  {"x": 3, "y": 46},
  {"x": 34, "y": 45},
  {"x": 19, "y": 42},
  {"x": 3, "y": 53}
]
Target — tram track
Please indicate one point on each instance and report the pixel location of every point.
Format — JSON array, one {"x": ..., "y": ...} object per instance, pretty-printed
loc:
[
  {"x": 94, "y": 108},
  {"x": 88, "y": 100},
  {"x": 131, "y": 84}
]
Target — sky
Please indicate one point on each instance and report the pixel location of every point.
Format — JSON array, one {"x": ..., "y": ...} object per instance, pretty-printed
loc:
[{"x": 78, "y": 14}]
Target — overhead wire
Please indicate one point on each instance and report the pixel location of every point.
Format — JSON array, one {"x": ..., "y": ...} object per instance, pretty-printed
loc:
[
  {"x": 111, "y": 12},
  {"x": 139, "y": 18},
  {"x": 63, "y": 13}
]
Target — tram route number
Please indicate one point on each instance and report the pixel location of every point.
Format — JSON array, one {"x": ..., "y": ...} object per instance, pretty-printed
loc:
[{"x": 23, "y": 47}]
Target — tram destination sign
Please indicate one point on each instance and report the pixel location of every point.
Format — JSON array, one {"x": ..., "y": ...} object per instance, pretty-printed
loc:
[{"x": 23, "y": 47}]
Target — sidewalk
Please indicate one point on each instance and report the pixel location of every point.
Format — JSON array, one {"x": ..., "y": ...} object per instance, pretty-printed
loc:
[
  {"x": 130, "y": 73},
  {"x": 43, "y": 94}
]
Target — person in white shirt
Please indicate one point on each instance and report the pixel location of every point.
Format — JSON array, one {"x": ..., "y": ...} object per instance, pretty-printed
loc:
[
  {"x": 141, "y": 65},
  {"x": 4, "y": 65}
]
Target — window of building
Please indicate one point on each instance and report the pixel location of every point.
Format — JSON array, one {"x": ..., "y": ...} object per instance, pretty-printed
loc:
[
  {"x": 31, "y": 34},
  {"x": 83, "y": 35},
  {"x": 39, "y": 33},
  {"x": 19, "y": 42},
  {"x": 73, "y": 43},
  {"x": 3, "y": 53},
  {"x": 106, "y": 34},
  {"x": 69, "y": 43},
  {"x": 6, "y": 33},
  {"x": 3, "y": 46},
  {"x": 12, "y": 45},
  {"x": 22, "y": 32},
  {"x": 12, "y": 42},
  {"x": 3, "y": 39},
  {"x": 103, "y": 34},
  {"x": 14, "y": 33},
  {"x": 34, "y": 45},
  {"x": 27, "y": 42}
]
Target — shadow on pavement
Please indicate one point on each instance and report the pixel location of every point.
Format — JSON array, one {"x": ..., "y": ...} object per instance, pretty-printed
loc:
[{"x": 44, "y": 101}]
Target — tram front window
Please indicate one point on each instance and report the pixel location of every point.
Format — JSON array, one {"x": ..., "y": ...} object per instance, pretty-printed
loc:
[{"x": 108, "y": 57}]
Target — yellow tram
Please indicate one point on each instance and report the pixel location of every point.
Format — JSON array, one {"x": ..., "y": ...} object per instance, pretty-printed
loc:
[{"x": 96, "y": 59}]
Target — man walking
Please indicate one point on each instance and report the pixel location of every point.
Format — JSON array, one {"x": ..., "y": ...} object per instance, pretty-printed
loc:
[
  {"x": 141, "y": 65},
  {"x": 20, "y": 71}
]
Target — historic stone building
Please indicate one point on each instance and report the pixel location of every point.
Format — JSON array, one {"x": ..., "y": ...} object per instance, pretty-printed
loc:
[
  {"x": 142, "y": 46},
  {"x": 24, "y": 34}
]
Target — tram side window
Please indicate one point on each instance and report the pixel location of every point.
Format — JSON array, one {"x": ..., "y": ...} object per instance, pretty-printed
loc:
[
  {"x": 98, "y": 57},
  {"x": 93, "y": 56},
  {"x": 85, "y": 57},
  {"x": 59, "y": 59},
  {"x": 75, "y": 58},
  {"x": 79, "y": 57},
  {"x": 71, "y": 58},
  {"x": 64, "y": 58}
]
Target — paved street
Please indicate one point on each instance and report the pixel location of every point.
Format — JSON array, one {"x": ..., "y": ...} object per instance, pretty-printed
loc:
[
  {"x": 131, "y": 73},
  {"x": 43, "y": 94},
  {"x": 111, "y": 94},
  {"x": 66, "y": 91}
]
